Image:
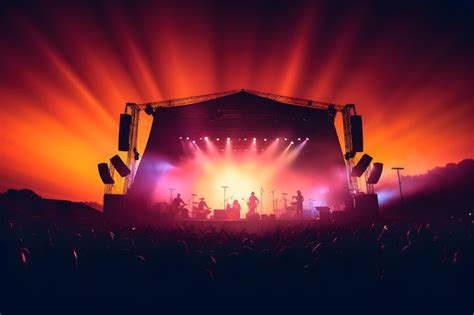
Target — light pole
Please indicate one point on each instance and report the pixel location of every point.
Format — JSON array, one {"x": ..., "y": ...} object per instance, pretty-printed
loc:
[
  {"x": 273, "y": 200},
  {"x": 398, "y": 169},
  {"x": 171, "y": 194},
  {"x": 225, "y": 188}
]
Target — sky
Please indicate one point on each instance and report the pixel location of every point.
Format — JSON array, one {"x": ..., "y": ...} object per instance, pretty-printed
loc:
[{"x": 68, "y": 68}]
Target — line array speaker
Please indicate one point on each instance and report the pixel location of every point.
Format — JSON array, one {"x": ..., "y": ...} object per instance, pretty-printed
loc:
[
  {"x": 120, "y": 166},
  {"x": 124, "y": 132},
  {"x": 357, "y": 134},
  {"x": 375, "y": 173},
  {"x": 361, "y": 166},
  {"x": 104, "y": 173}
]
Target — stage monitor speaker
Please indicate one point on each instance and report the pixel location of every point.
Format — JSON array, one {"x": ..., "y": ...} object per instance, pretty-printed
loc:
[
  {"x": 357, "y": 134},
  {"x": 104, "y": 173},
  {"x": 361, "y": 166},
  {"x": 375, "y": 173},
  {"x": 124, "y": 132},
  {"x": 220, "y": 215},
  {"x": 120, "y": 166},
  {"x": 366, "y": 205}
]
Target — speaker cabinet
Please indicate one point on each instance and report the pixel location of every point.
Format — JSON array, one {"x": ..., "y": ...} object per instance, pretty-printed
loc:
[
  {"x": 366, "y": 206},
  {"x": 104, "y": 173},
  {"x": 361, "y": 166},
  {"x": 357, "y": 134},
  {"x": 114, "y": 205},
  {"x": 220, "y": 215},
  {"x": 124, "y": 132},
  {"x": 375, "y": 173},
  {"x": 120, "y": 166}
]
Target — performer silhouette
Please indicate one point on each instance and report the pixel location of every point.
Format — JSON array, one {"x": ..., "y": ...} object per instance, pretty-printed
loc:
[
  {"x": 202, "y": 209},
  {"x": 178, "y": 208},
  {"x": 252, "y": 203},
  {"x": 299, "y": 203}
]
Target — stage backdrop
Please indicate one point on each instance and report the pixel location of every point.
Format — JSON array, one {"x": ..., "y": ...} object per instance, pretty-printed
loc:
[{"x": 295, "y": 148}]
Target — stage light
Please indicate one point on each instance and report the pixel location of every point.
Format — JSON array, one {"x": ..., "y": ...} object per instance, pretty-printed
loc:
[
  {"x": 228, "y": 139},
  {"x": 265, "y": 139},
  {"x": 291, "y": 142},
  {"x": 254, "y": 139},
  {"x": 278, "y": 139},
  {"x": 180, "y": 138},
  {"x": 286, "y": 139},
  {"x": 332, "y": 110},
  {"x": 194, "y": 141},
  {"x": 200, "y": 138},
  {"x": 307, "y": 139},
  {"x": 148, "y": 109},
  {"x": 299, "y": 139},
  {"x": 245, "y": 139},
  {"x": 206, "y": 138},
  {"x": 217, "y": 139},
  {"x": 187, "y": 138}
]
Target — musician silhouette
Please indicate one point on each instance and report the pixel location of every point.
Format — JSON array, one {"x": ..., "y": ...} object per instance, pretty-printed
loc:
[
  {"x": 299, "y": 203},
  {"x": 202, "y": 209},
  {"x": 233, "y": 212},
  {"x": 177, "y": 206},
  {"x": 252, "y": 203}
]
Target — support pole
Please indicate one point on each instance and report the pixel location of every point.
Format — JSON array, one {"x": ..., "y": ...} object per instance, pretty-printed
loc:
[{"x": 398, "y": 169}]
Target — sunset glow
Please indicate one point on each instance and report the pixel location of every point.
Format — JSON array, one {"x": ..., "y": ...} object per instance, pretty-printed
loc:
[{"x": 68, "y": 70}]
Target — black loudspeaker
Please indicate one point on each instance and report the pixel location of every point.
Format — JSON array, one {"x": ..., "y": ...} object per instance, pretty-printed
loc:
[
  {"x": 120, "y": 166},
  {"x": 124, "y": 132},
  {"x": 375, "y": 173},
  {"x": 356, "y": 132},
  {"x": 105, "y": 173},
  {"x": 366, "y": 205},
  {"x": 114, "y": 205},
  {"x": 361, "y": 166}
]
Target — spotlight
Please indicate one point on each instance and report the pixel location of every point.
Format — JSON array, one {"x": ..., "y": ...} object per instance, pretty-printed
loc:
[
  {"x": 200, "y": 138},
  {"x": 206, "y": 138},
  {"x": 332, "y": 110},
  {"x": 180, "y": 138},
  {"x": 278, "y": 139},
  {"x": 265, "y": 139},
  {"x": 217, "y": 139},
  {"x": 291, "y": 142},
  {"x": 245, "y": 139},
  {"x": 307, "y": 138},
  {"x": 286, "y": 139},
  {"x": 187, "y": 138},
  {"x": 254, "y": 139},
  {"x": 228, "y": 139},
  {"x": 149, "y": 109},
  {"x": 299, "y": 139},
  {"x": 194, "y": 141}
]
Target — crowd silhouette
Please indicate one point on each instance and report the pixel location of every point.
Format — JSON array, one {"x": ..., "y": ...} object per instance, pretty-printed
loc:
[{"x": 395, "y": 257}]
